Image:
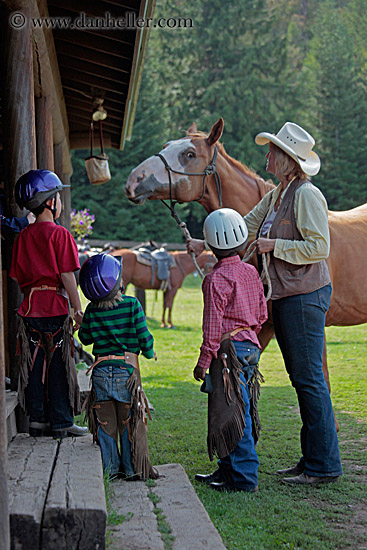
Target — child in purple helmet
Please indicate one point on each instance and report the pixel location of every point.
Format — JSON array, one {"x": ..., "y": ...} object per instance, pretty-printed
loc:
[
  {"x": 117, "y": 407},
  {"x": 44, "y": 259}
]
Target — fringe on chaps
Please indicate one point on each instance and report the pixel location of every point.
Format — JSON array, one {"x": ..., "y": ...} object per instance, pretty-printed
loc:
[{"x": 226, "y": 417}]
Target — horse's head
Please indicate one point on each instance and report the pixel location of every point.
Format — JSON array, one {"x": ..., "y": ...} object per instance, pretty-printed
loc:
[{"x": 189, "y": 155}]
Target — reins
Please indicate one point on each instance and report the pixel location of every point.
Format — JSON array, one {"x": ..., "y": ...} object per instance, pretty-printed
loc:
[
  {"x": 265, "y": 262},
  {"x": 210, "y": 169}
]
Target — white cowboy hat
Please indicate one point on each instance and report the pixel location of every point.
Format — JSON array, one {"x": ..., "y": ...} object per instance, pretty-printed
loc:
[{"x": 297, "y": 143}]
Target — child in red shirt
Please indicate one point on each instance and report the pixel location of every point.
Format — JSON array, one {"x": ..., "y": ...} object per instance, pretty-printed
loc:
[{"x": 44, "y": 259}]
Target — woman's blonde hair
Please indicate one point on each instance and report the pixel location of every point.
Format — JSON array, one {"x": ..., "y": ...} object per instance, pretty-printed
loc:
[{"x": 285, "y": 165}]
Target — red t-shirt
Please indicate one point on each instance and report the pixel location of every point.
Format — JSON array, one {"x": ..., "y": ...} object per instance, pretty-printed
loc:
[{"x": 43, "y": 251}]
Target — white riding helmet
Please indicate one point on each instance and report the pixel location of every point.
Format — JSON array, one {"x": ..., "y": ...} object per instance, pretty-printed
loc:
[{"x": 225, "y": 230}]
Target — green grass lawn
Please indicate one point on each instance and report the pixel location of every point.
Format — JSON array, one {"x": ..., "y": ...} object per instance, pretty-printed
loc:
[{"x": 277, "y": 516}]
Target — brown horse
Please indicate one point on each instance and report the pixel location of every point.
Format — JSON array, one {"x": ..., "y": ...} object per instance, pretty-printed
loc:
[
  {"x": 242, "y": 189},
  {"x": 141, "y": 275}
]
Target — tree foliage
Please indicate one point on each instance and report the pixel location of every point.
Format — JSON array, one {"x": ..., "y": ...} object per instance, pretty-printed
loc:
[{"x": 256, "y": 63}]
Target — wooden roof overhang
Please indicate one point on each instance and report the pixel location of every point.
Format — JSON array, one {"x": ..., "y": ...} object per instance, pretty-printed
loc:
[{"x": 106, "y": 62}]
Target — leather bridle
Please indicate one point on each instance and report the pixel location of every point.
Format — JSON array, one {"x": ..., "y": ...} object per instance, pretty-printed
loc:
[{"x": 210, "y": 169}]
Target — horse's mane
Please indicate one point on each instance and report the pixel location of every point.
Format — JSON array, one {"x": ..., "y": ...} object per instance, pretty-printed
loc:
[{"x": 237, "y": 164}]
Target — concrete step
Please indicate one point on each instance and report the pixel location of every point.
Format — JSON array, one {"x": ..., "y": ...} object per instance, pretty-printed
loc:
[
  {"x": 173, "y": 493},
  {"x": 56, "y": 494},
  {"x": 11, "y": 398}
]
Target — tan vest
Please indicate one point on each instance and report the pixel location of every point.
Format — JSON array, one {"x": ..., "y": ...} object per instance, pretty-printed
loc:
[{"x": 291, "y": 279}]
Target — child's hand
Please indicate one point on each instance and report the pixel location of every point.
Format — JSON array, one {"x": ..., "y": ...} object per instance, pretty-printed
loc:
[
  {"x": 78, "y": 317},
  {"x": 199, "y": 373}
]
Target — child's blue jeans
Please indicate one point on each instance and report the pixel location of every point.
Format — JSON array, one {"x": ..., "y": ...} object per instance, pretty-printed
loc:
[
  {"x": 109, "y": 383},
  {"x": 241, "y": 465}
]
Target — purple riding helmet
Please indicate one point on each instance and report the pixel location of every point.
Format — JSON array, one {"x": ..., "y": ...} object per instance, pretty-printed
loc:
[
  {"x": 100, "y": 277},
  {"x": 36, "y": 186}
]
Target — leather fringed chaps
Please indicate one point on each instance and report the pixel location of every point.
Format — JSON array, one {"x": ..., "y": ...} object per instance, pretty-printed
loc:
[
  {"x": 226, "y": 418},
  {"x": 139, "y": 440},
  {"x": 69, "y": 361},
  {"x": 254, "y": 390},
  {"x": 25, "y": 360},
  {"x": 137, "y": 424}
]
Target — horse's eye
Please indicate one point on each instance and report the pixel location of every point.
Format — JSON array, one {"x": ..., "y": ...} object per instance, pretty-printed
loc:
[{"x": 190, "y": 155}]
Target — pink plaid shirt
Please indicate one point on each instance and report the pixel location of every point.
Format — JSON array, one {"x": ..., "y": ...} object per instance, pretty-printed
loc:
[{"x": 233, "y": 298}]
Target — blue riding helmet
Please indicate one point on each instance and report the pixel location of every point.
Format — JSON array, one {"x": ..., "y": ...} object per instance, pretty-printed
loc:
[
  {"x": 35, "y": 187},
  {"x": 100, "y": 277}
]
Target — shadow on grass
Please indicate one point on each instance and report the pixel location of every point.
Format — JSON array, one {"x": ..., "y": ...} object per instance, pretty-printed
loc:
[{"x": 278, "y": 516}]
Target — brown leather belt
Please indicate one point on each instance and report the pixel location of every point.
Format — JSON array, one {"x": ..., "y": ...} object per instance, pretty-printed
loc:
[
  {"x": 233, "y": 332},
  {"x": 129, "y": 358},
  {"x": 29, "y": 292}
]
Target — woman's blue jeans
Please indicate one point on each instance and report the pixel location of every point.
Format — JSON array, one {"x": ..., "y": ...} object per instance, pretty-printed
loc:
[
  {"x": 241, "y": 465},
  {"x": 299, "y": 323},
  {"x": 109, "y": 383}
]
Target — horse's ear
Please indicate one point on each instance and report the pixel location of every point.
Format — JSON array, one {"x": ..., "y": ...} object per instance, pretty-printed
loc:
[
  {"x": 193, "y": 129},
  {"x": 216, "y": 132}
]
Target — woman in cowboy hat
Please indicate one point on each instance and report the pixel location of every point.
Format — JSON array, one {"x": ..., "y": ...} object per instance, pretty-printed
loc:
[{"x": 291, "y": 224}]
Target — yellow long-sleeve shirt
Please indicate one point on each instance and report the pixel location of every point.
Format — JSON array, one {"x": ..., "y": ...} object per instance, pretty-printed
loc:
[{"x": 311, "y": 214}]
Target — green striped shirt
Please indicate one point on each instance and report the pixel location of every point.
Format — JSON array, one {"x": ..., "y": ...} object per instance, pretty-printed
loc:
[{"x": 114, "y": 331}]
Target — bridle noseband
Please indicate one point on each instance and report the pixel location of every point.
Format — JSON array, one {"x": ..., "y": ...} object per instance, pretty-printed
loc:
[{"x": 210, "y": 169}]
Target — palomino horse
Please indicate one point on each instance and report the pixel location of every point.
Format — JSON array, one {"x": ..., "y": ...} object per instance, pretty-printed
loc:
[
  {"x": 141, "y": 275},
  {"x": 241, "y": 189}
]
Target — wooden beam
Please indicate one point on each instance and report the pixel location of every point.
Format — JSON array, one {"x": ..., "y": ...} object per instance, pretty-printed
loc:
[
  {"x": 97, "y": 43},
  {"x": 75, "y": 116},
  {"x": 141, "y": 42},
  {"x": 19, "y": 140},
  {"x": 80, "y": 140},
  {"x": 84, "y": 90},
  {"x": 45, "y": 149},
  {"x": 66, "y": 195},
  {"x": 118, "y": 62},
  {"x": 93, "y": 8},
  {"x": 119, "y": 89},
  {"x": 4, "y": 504},
  {"x": 84, "y": 109},
  {"x": 76, "y": 98},
  {"x": 49, "y": 80},
  {"x": 83, "y": 67}
]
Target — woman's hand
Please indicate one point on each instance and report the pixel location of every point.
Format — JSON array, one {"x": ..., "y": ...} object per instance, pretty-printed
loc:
[
  {"x": 265, "y": 245},
  {"x": 196, "y": 246}
]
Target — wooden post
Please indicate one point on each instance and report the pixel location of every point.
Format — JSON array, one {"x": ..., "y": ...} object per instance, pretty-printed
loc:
[
  {"x": 66, "y": 201},
  {"x": 4, "y": 510},
  {"x": 44, "y": 136},
  {"x": 19, "y": 137},
  {"x": 65, "y": 178}
]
